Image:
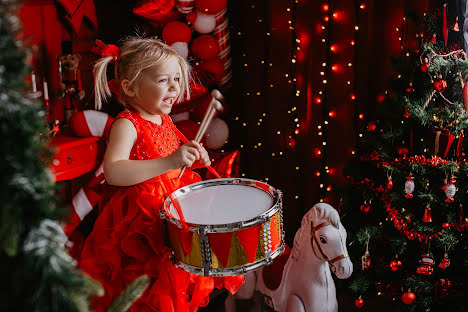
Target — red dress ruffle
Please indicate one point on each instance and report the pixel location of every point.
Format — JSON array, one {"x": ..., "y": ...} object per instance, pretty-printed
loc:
[{"x": 127, "y": 241}]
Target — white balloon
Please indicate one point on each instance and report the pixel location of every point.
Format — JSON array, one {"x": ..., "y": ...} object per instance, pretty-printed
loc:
[
  {"x": 204, "y": 23},
  {"x": 217, "y": 133},
  {"x": 180, "y": 116},
  {"x": 181, "y": 48}
]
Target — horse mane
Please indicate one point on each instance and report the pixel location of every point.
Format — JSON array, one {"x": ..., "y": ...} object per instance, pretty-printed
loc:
[{"x": 320, "y": 211}]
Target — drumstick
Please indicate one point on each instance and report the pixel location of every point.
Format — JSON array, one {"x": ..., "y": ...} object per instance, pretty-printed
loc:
[
  {"x": 215, "y": 105},
  {"x": 216, "y": 95}
]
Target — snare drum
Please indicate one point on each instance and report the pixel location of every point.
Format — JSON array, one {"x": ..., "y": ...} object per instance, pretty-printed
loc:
[{"x": 226, "y": 226}]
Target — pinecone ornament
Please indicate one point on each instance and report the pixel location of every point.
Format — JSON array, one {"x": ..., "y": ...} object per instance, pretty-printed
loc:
[
  {"x": 409, "y": 186},
  {"x": 450, "y": 189}
]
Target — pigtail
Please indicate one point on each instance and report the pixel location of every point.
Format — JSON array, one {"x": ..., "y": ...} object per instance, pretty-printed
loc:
[
  {"x": 185, "y": 79},
  {"x": 101, "y": 87}
]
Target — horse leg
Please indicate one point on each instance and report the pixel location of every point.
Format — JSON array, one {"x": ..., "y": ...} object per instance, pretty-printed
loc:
[
  {"x": 247, "y": 289},
  {"x": 245, "y": 292},
  {"x": 295, "y": 304}
]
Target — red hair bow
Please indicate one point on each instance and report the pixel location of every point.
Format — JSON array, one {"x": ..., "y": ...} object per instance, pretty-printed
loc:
[{"x": 106, "y": 50}]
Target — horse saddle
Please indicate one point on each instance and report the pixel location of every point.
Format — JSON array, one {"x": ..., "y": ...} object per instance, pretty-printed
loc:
[{"x": 273, "y": 273}]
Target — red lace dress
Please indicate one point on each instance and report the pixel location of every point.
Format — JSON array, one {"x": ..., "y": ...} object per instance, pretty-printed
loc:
[{"x": 126, "y": 241}]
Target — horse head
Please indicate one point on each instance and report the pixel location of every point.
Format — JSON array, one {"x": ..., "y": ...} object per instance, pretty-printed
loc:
[{"x": 324, "y": 236}]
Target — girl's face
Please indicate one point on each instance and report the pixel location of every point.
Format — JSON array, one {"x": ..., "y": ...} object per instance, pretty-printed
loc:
[{"x": 157, "y": 88}]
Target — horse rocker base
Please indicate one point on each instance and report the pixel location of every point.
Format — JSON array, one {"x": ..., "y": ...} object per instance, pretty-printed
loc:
[{"x": 300, "y": 280}]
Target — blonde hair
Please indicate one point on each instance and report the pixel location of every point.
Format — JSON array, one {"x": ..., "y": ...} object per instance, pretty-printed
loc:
[{"x": 137, "y": 55}]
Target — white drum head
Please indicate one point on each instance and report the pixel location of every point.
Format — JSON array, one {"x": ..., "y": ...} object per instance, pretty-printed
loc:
[{"x": 223, "y": 204}]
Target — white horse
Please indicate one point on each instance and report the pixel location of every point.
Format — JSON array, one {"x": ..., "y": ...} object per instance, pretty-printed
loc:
[{"x": 306, "y": 283}]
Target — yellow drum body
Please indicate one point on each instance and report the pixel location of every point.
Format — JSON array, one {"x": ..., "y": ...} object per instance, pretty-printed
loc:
[{"x": 232, "y": 226}]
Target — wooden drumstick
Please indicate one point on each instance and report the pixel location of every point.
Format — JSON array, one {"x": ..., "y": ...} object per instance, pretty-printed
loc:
[
  {"x": 216, "y": 95},
  {"x": 215, "y": 105}
]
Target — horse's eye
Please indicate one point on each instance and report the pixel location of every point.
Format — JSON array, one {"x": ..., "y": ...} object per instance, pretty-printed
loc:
[{"x": 323, "y": 240}]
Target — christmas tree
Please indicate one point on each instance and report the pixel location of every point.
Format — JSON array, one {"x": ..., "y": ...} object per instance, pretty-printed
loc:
[
  {"x": 37, "y": 273},
  {"x": 408, "y": 182}
]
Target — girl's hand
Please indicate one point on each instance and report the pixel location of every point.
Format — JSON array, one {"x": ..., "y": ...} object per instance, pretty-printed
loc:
[
  {"x": 204, "y": 160},
  {"x": 185, "y": 155}
]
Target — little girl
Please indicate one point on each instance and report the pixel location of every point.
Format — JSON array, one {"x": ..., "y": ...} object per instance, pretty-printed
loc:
[{"x": 144, "y": 159}]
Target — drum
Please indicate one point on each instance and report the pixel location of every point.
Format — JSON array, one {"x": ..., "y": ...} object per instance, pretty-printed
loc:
[{"x": 223, "y": 227}]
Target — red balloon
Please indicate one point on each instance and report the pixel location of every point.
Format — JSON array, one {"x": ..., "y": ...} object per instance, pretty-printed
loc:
[
  {"x": 211, "y": 71},
  {"x": 200, "y": 110},
  {"x": 205, "y": 47},
  {"x": 210, "y": 7},
  {"x": 176, "y": 32},
  {"x": 189, "y": 128}
]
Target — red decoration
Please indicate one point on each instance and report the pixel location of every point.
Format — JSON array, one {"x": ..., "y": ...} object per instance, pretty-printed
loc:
[
  {"x": 389, "y": 185},
  {"x": 406, "y": 114},
  {"x": 445, "y": 262},
  {"x": 365, "y": 261},
  {"x": 211, "y": 71},
  {"x": 395, "y": 265},
  {"x": 440, "y": 85},
  {"x": 106, "y": 50},
  {"x": 365, "y": 207},
  {"x": 158, "y": 11},
  {"x": 409, "y": 186},
  {"x": 408, "y": 297},
  {"x": 221, "y": 245},
  {"x": 210, "y": 7},
  {"x": 444, "y": 24},
  {"x": 403, "y": 151},
  {"x": 227, "y": 164},
  {"x": 441, "y": 140},
  {"x": 427, "y": 218},
  {"x": 426, "y": 265},
  {"x": 176, "y": 32},
  {"x": 450, "y": 189},
  {"x": 91, "y": 122},
  {"x": 249, "y": 239},
  {"x": 204, "y": 47},
  {"x": 359, "y": 303},
  {"x": 424, "y": 67},
  {"x": 371, "y": 126}
]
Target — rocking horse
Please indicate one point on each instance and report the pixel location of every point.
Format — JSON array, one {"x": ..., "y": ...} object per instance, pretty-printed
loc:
[{"x": 304, "y": 283}]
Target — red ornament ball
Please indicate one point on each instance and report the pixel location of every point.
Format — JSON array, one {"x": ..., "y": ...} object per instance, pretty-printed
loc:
[
  {"x": 408, "y": 297},
  {"x": 176, "y": 32},
  {"x": 205, "y": 47},
  {"x": 210, "y": 7},
  {"x": 371, "y": 126},
  {"x": 445, "y": 225},
  {"x": 440, "y": 85},
  {"x": 211, "y": 71},
  {"x": 424, "y": 67},
  {"x": 395, "y": 265},
  {"x": 359, "y": 303}
]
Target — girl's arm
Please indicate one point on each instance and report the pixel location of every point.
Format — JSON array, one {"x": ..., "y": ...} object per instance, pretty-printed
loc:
[{"x": 121, "y": 171}]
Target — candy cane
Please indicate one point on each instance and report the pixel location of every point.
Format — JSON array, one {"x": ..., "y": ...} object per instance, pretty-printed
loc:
[
  {"x": 429, "y": 98},
  {"x": 221, "y": 33}
]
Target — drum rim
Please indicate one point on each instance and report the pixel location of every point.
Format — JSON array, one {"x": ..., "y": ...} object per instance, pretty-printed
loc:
[
  {"x": 276, "y": 194},
  {"x": 223, "y": 272}
]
